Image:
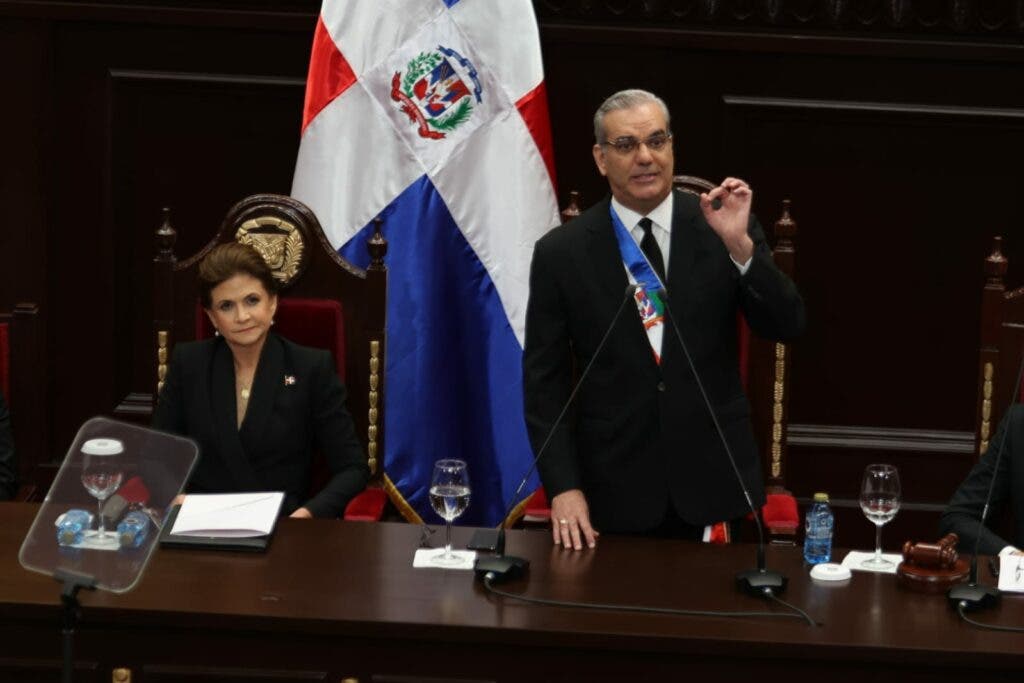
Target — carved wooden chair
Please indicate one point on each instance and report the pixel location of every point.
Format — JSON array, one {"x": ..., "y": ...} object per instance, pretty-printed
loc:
[
  {"x": 1001, "y": 346},
  {"x": 764, "y": 368},
  {"x": 326, "y": 302},
  {"x": 22, "y": 378}
]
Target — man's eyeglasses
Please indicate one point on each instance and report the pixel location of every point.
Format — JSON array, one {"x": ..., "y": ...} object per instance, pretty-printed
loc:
[{"x": 629, "y": 144}]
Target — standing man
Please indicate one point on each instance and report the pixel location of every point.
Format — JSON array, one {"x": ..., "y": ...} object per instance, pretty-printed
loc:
[{"x": 642, "y": 455}]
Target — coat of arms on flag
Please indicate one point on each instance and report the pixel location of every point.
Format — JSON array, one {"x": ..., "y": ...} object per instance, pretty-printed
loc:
[{"x": 434, "y": 91}]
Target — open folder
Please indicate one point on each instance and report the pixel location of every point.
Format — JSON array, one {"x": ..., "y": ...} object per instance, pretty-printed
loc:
[{"x": 229, "y": 521}]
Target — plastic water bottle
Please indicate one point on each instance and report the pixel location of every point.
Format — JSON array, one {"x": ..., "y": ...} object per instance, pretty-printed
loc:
[
  {"x": 818, "y": 527},
  {"x": 133, "y": 529},
  {"x": 72, "y": 525}
]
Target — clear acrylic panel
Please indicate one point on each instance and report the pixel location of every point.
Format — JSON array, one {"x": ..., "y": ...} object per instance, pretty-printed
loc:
[{"x": 129, "y": 472}]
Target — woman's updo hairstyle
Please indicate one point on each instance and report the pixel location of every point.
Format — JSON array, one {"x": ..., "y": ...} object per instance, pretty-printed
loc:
[{"x": 228, "y": 260}]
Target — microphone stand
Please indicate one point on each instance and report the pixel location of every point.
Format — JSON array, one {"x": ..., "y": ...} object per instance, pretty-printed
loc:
[
  {"x": 759, "y": 582},
  {"x": 504, "y": 567}
]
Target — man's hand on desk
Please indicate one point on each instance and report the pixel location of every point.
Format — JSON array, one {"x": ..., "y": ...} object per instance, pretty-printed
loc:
[{"x": 570, "y": 520}]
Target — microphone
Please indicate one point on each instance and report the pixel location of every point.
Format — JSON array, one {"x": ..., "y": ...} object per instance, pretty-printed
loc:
[
  {"x": 759, "y": 582},
  {"x": 504, "y": 567},
  {"x": 973, "y": 595}
]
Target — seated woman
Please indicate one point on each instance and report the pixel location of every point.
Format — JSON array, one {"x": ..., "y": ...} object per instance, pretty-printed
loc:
[
  {"x": 963, "y": 514},
  {"x": 258, "y": 405}
]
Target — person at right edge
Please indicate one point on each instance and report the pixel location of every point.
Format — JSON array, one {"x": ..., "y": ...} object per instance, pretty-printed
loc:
[
  {"x": 963, "y": 514},
  {"x": 641, "y": 454}
]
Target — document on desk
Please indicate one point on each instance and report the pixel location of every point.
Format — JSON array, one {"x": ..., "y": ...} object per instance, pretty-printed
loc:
[
  {"x": 228, "y": 515},
  {"x": 1011, "y": 573},
  {"x": 854, "y": 561}
]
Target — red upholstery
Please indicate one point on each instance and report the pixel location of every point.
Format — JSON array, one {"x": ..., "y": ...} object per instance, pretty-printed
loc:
[
  {"x": 368, "y": 506},
  {"x": 537, "y": 506},
  {"x": 318, "y": 323},
  {"x": 780, "y": 511},
  {"x": 5, "y": 361}
]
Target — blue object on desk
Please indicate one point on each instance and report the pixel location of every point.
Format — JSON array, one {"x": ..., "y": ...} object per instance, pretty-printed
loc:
[
  {"x": 133, "y": 529},
  {"x": 72, "y": 525}
]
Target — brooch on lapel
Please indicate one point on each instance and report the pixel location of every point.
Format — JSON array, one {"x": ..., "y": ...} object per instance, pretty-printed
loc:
[{"x": 289, "y": 380}]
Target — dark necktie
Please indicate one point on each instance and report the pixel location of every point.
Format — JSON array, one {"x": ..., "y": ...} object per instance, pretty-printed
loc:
[{"x": 650, "y": 247}]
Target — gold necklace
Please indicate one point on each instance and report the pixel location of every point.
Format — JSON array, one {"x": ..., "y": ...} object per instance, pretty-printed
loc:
[{"x": 244, "y": 393}]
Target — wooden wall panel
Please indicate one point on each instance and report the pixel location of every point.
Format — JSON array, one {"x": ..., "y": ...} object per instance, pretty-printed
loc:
[
  {"x": 191, "y": 111},
  {"x": 894, "y": 128}
]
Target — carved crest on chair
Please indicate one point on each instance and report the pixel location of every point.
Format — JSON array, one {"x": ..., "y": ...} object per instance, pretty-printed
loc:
[{"x": 278, "y": 241}]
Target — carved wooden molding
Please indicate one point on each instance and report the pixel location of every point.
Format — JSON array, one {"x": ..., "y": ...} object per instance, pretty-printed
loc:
[
  {"x": 880, "y": 438},
  {"x": 778, "y": 409},
  {"x": 986, "y": 408},
  {"x": 373, "y": 428},
  {"x": 161, "y": 359}
]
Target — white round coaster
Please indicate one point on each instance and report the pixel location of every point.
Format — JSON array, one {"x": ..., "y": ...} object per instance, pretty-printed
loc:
[{"x": 830, "y": 572}]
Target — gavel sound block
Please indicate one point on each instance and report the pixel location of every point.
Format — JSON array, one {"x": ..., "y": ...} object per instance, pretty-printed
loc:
[{"x": 932, "y": 567}]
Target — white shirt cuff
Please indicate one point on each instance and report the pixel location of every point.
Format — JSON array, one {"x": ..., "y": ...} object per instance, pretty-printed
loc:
[{"x": 743, "y": 267}]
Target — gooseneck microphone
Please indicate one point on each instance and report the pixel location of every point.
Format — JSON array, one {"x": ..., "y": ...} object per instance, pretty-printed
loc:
[
  {"x": 759, "y": 582},
  {"x": 504, "y": 567},
  {"x": 972, "y": 595}
]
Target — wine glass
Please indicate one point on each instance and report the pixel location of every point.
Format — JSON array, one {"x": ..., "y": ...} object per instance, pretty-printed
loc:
[
  {"x": 880, "y": 501},
  {"x": 101, "y": 476},
  {"x": 449, "y": 496}
]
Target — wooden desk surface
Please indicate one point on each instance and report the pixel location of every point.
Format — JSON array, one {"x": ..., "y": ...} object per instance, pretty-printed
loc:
[{"x": 342, "y": 599}]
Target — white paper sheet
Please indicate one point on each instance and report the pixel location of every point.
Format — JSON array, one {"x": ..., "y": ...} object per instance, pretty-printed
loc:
[
  {"x": 424, "y": 556},
  {"x": 1011, "y": 573},
  {"x": 228, "y": 515},
  {"x": 854, "y": 561}
]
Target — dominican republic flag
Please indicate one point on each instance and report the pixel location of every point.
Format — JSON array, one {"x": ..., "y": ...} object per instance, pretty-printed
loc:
[{"x": 434, "y": 114}]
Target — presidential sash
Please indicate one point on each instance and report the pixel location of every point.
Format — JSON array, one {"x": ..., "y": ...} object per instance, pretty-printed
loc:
[
  {"x": 652, "y": 314},
  {"x": 648, "y": 302}
]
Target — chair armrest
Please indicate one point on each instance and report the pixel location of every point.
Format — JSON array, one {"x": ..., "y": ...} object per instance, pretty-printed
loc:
[
  {"x": 368, "y": 506},
  {"x": 537, "y": 509},
  {"x": 781, "y": 518}
]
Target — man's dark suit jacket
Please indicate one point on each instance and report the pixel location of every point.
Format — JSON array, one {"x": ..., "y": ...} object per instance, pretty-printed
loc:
[
  {"x": 8, "y": 463},
  {"x": 297, "y": 408},
  {"x": 641, "y": 435},
  {"x": 964, "y": 510}
]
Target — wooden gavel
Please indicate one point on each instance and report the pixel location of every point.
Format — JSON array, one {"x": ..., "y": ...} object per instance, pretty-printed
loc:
[{"x": 942, "y": 555}]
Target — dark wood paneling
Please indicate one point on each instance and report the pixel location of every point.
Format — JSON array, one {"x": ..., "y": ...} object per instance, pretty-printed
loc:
[
  {"x": 166, "y": 116},
  {"x": 25, "y": 126},
  {"x": 195, "y": 674},
  {"x": 192, "y": 111},
  {"x": 17, "y": 670}
]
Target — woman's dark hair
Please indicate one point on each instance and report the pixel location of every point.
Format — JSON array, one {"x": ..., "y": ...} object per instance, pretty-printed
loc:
[{"x": 227, "y": 260}]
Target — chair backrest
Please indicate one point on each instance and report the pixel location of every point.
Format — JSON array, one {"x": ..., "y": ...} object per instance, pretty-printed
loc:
[
  {"x": 319, "y": 323},
  {"x": 326, "y": 302},
  {"x": 1001, "y": 346}
]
